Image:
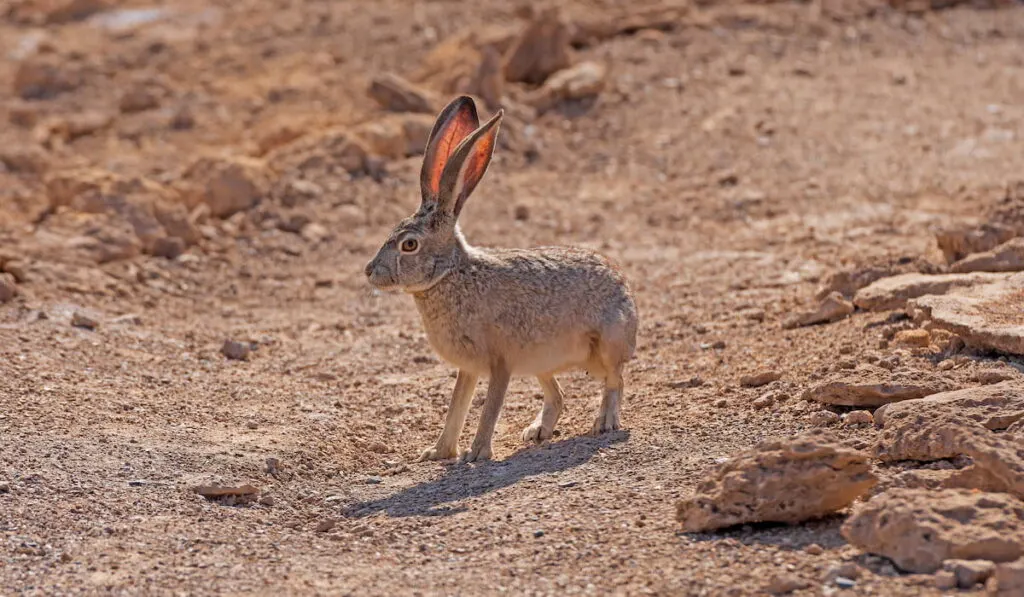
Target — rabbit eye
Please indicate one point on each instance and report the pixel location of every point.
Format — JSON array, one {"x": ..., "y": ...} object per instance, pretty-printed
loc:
[{"x": 410, "y": 245}]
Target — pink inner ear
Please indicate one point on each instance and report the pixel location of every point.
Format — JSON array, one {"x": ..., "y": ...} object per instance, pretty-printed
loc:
[
  {"x": 451, "y": 134},
  {"x": 475, "y": 165}
]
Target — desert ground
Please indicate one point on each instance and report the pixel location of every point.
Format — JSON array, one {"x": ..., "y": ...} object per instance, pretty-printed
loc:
[{"x": 200, "y": 393}]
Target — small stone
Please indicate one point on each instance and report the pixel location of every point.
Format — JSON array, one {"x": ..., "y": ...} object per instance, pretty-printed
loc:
[
  {"x": 1008, "y": 580},
  {"x": 314, "y": 232},
  {"x": 522, "y": 213},
  {"x": 914, "y": 338},
  {"x": 66, "y": 557},
  {"x": 763, "y": 401},
  {"x": 5, "y": 488},
  {"x": 721, "y": 403},
  {"x": 761, "y": 378},
  {"x": 783, "y": 584},
  {"x": 252, "y": 425},
  {"x": 832, "y": 308},
  {"x": 845, "y": 583},
  {"x": 8, "y": 289},
  {"x": 81, "y": 320},
  {"x": 946, "y": 365},
  {"x": 267, "y": 500},
  {"x": 969, "y": 573},
  {"x": 823, "y": 418},
  {"x": 945, "y": 581},
  {"x": 326, "y": 525},
  {"x": 168, "y": 247},
  {"x": 138, "y": 99},
  {"x": 238, "y": 351},
  {"x": 396, "y": 94},
  {"x": 858, "y": 417},
  {"x": 814, "y": 549},
  {"x": 374, "y": 480},
  {"x": 538, "y": 533}
]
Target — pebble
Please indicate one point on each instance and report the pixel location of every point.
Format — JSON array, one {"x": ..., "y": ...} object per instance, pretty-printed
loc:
[
  {"x": 81, "y": 320},
  {"x": 824, "y": 418},
  {"x": 267, "y": 500},
  {"x": 374, "y": 480},
  {"x": 7, "y": 288},
  {"x": 5, "y": 488},
  {"x": 946, "y": 365},
  {"x": 238, "y": 351},
  {"x": 845, "y": 583},
  {"x": 814, "y": 549},
  {"x": 761, "y": 378},
  {"x": 252, "y": 425},
  {"x": 538, "y": 533},
  {"x": 764, "y": 401},
  {"x": 945, "y": 580},
  {"x": 325, "y": 525},
  {"x": 858, "y": 417}
]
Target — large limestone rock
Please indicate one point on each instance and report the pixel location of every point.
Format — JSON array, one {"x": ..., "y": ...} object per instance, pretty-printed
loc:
[
  {"x": 874, "y": 386},
  {"x": 960, "y": 241},
  {"x": 986, "y": 316},
  {"x": 918, "y": 529},
  {"x": 996, "y": 406},
  {"x": 788, "y": 480},
  {"x": 893, "y": 293},
  {"x": 1007, "y": 257},
  {"x": 1008, "y": 580},
  {"x": 226, "y": 184}
]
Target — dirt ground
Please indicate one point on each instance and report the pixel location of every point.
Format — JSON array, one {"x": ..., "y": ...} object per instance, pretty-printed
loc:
[{"x": 733, "y": 161}]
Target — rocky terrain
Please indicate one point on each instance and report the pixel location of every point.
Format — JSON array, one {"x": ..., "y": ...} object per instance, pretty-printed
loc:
[{"x": 820, "y": 207}]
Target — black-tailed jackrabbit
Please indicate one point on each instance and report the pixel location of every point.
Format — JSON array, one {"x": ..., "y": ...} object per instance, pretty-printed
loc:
[{"x": 502, "y": 312}]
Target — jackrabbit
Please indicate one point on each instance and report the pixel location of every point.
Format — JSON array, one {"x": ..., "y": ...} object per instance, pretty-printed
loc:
[{"x": 502, "y": 312}]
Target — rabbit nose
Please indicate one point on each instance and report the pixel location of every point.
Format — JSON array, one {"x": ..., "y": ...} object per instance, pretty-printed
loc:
[{"x": 368, "y": 269}]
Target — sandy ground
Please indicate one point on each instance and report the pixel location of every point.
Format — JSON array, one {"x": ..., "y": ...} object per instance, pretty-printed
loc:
[{"x": 731, "y": 164}]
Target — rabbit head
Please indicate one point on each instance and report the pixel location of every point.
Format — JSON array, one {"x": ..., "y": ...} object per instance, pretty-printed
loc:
[{"x": 423, "y": 248}]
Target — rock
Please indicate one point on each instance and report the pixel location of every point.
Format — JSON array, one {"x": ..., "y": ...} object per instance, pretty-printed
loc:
[
  {"x": 489, "y": 81},
  {"x": 858, "y": 417},
  {"x": 453, "y": 64},
  {"x": 322, "y": 154},
  {"x": 996, "y": 407},
  {"x": 960, "y": 241},
  {"x": 784, "y": 584},
  {"x": 823, "y": 418},
  {"x": 26, "y": 159},
  {"x": 8, "y": 288},
  {"x": 234, "y": 350},
  {"x": 986, "y": 317},
  {"x": 226, "y": 185},
  {"x": 912, "y": 338},
  {"x": 314, "y": 232},
  {"x": 83, "y": 124},
  {"x": 45, "y": 76},
  {"x": 789, "y": 480},
  {"x": 814, "y": 549},
  {"x": 871, "y": 387},
  {"x": 1007, "y": 257},
  {"x": 763, "y": 401},
  {"x": 761, "y": 378},
  {"x": 919, "y": 529},
  {"x": 153, "y": 212},
  {"x": 848, "y": 282},
  {"x": 397, "y": 136},
  {"x": 893, "y": 293},
  {"x": 138, "y": 99},
  {"x": 81, "y": 320},
  {"x": 394, "y": 93},
  {"x": 67, "y": 11},
  {"x": 999, "y": 457},
  {"x": 832, "y": 308},
  {"x": 541, "y": 50},
  {"x": 228, "y": 495},
  {"x": 326, "y": 525},
  {"x": 586, "y": 79},
  {"x": 1008, "y": 580},
  {"x": 168, "y": 247},
  {"x": 944, "y": 580},
  {"x": 968, "y": 573}
]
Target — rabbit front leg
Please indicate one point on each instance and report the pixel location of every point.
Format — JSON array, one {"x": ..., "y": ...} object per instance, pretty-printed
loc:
[
  {"x": 481, "y": 448},
  {"x": 447, "y": 446}
]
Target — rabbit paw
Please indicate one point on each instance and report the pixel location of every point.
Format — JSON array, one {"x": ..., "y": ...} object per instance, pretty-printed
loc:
[
  {"x": 477, "y": 454},
  {"x": 438, "y": 453},
  {"x": 606, "y": 422},
  {"x": 536, "y": 433}
]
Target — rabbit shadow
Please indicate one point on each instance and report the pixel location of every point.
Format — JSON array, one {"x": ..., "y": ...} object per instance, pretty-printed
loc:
[{"x": 462, "y": 481}]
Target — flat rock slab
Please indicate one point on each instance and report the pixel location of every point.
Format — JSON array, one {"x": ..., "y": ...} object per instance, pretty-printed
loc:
[
  {"x": 790, "y": 481},
  {"x": 918, "y": 529},
  {"x": 996, "y": 406},
  {"x": 871, "y": 387},
  {"x": 987, "y": 317},
  {"x": 1007, "y": 257},
  {"x": 893, "y": 293}
]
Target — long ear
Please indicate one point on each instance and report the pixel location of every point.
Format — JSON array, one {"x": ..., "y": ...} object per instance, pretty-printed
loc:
[
  {"x": 468, "y": 165},
  {"x": 454, "y": 123}
]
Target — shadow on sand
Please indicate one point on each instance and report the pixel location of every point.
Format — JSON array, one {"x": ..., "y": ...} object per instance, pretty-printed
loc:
[{"x": 462, "y": 481}]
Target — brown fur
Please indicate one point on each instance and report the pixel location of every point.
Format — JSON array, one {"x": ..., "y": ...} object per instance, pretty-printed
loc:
[{"x": 503, "y": 312}]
